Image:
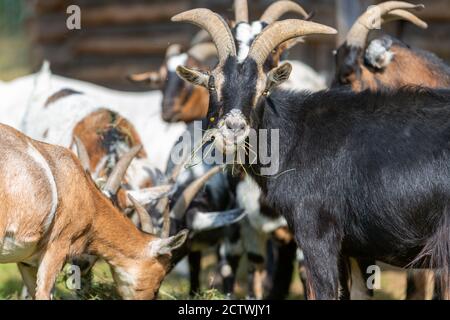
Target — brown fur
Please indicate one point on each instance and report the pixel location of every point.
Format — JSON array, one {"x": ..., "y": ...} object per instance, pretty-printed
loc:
[
  {"x": 85, "y": 220},
  {"x": 405, "y": 69},
  {"x": 92, "y": 130},
  {"x": 195, "y": 107}
]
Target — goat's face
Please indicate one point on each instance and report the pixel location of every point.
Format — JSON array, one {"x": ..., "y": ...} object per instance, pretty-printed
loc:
[
  {"x": 348, "y": 65},
  {"x": 181, "y": 100},
  {"x": 140, "y": 278},
  {"x": 237, "y": 86},
  {"x": 235, "y": 90}
]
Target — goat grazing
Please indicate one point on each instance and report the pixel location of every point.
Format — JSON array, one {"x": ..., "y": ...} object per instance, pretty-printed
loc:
[
  {"x": 360, "y": 174},
  {"x": 67, "y": 216}
]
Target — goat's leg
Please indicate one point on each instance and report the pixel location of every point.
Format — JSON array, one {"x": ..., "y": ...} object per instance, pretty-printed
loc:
[
  {"x": 229, "y": 275},
  {"x": 49, "y": 267},
  {"x": 439, "y": 293},
  {"x": 85, "y": 264},
  {"x": 345, "y": 278},
  {"x": 302, "y": 269},
  {"x": 317, "y": 234},
  {"x": 194, "y": 258},
  {"x": 360, "y": 289},
  {"x": 284, "y": 267},
  {"x": 416, "y": 285},
  {"x": 29, "y": 277}
]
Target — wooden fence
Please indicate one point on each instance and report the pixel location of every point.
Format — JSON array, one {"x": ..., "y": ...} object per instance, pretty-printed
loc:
[{"x": 121, "y": 37}]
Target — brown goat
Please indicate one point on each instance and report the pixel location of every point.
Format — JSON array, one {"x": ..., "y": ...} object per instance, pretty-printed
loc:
[
  {"x": 387, "y": 62},
  {"x": 66, "y": 215}
]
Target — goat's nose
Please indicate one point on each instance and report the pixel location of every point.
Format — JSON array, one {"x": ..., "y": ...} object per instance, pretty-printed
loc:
[{"x": 235, "y": 124}]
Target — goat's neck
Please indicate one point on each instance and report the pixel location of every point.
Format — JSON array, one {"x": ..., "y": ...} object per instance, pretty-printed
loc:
[
  {"x": 269, "y": 119},
  {"x": 115, "y": 238}
]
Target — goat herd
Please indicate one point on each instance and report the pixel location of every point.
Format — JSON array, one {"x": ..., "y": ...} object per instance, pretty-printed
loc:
[{"x": 362, "y": 168}]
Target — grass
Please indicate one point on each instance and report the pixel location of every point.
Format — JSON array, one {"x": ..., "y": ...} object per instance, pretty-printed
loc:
[
  {"x": 13, "y": 56},
  {"x": 176, "y": 287}
]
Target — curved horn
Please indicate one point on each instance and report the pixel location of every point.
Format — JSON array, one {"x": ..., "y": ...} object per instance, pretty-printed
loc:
[
  {"x": 203, "y": 221},
  {"x": 147, "y": 195},
  {"x": 405, "y": 15},
  {"x": 279, "y": 8},
  {"x": 240, "y": 11},
  {"x": 114, "y": 180},
  {"x": 216, "y": 27},
  {"x": 372, "y": 18},
  {"x": 281, "y": 31},
  {"x": 144, "y": 216},
  {"x": 190, "y": 192},
  {"x": 82, "y": 154},
  {"x": 203, "y": 51}
]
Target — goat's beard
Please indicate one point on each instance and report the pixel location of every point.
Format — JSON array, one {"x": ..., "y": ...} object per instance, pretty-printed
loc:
[{"x": 231, "y": 144}]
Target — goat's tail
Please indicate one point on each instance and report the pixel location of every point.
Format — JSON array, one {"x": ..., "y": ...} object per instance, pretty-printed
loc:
[{"x": 436, "y": 255}]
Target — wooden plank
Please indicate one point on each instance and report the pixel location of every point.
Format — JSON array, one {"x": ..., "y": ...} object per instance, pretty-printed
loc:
[
  {"x": 120, "y": 14},
  {"x": 128, "y": 45},
  {"x": 48, "y": 29},
  {"x": 45, "y": 6}
]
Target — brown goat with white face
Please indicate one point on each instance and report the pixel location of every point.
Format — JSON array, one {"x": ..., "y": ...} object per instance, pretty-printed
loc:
[
  {"x": 387, "y": 62},
  {"x": 181, "y": 101},
  {"x": 52, "y": 210}
]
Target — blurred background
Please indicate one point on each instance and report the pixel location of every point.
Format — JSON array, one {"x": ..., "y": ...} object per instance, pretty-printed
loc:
[{"x": 118, "y": 37}]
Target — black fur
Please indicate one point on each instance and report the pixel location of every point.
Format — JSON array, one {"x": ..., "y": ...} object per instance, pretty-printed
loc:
[{"x": 370, "y": 173}]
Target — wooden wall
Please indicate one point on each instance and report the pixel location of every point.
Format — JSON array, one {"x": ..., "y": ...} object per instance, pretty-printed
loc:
[{"x": 121, "y": 37}]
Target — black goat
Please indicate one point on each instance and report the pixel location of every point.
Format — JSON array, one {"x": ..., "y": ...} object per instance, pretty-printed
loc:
[
  {"x": 360, "y": 174},
  {"x": 388, "y": 63}
]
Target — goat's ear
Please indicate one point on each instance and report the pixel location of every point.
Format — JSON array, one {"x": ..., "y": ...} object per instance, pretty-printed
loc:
[
  {"x": 193, "y": 76},
  {"x": 278, "y": 75},
  {"x": 165, "y": 246}
]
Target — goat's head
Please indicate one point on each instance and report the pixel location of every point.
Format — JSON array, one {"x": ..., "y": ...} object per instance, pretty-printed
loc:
[
  {"x": 245, "y": 32},
  {"x": 140, "y": 278},
  {"x": 181, "y": 101},
  {"x": 381, "y": 63},
  {"x": 151, "y": 256},
  {"x": 236, "y": 88}
]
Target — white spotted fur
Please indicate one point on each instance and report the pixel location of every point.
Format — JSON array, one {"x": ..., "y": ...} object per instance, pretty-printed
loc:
[{"x": 40, "y": 160}]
